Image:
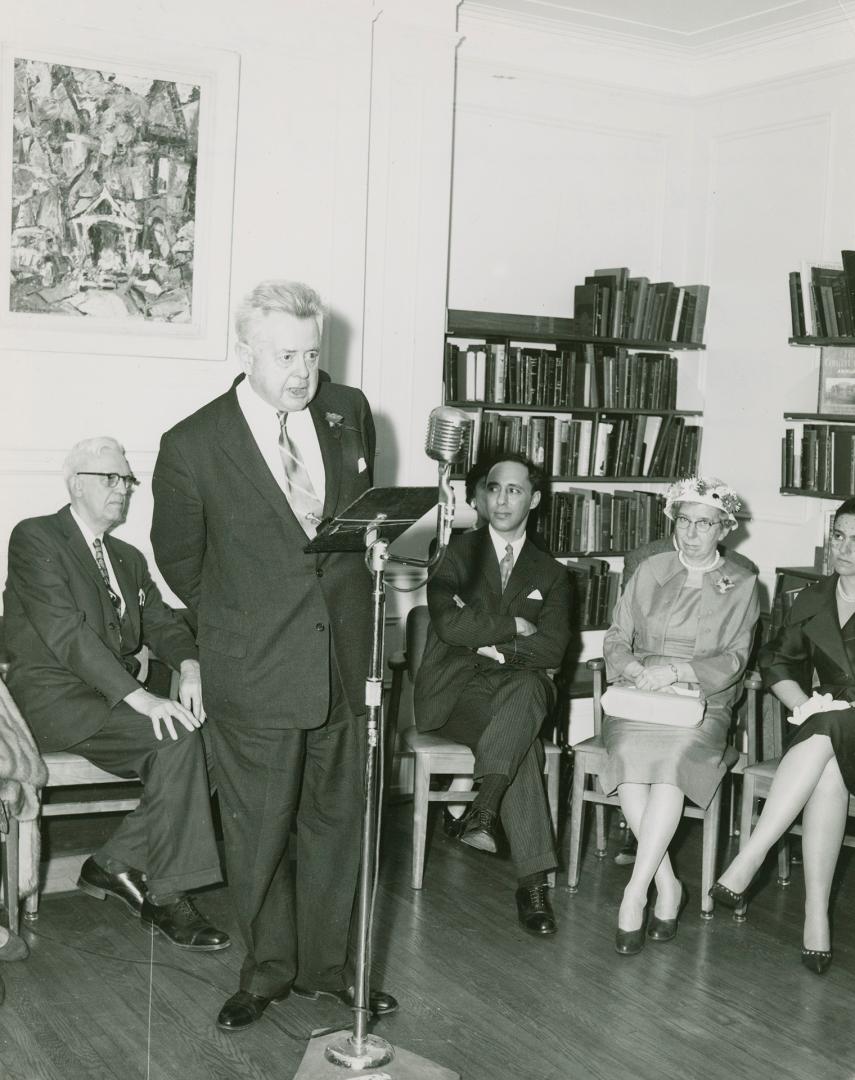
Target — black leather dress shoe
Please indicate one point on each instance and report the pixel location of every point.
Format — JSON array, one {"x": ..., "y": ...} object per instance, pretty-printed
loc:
[
  {"x": 379, "y": 1004},
  {"x": 243, "y": 1009},
  {"x": 666, "y": 929},
  {"x": 479, "y": 829},
  {"x": 129, "y": 886},
  {"x": 184, "y": 926},
  {"x": 534, "y": 910},
  {"x": 816, "y": 960},
  {"x": 452, "y": 826},
  {"x": 631, "y": 942}
]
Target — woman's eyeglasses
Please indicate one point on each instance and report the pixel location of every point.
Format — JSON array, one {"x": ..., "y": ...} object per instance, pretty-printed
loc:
[{"x": 703, "y": 525}]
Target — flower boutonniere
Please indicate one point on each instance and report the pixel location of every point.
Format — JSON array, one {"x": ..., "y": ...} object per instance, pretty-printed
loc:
[
  {"x": 335, "y": 421},
  {"x": 723, "y": 584}
]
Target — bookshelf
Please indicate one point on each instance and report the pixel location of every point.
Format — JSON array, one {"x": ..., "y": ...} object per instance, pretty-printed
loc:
[
  {"x": 818, "y": 457},
  {"x": 590, "y": 409}
]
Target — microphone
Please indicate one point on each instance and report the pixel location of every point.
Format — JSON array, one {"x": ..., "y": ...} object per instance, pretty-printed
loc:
[
  {"x": 446, "y": 427},
  {"x": 443, "y": 444}
]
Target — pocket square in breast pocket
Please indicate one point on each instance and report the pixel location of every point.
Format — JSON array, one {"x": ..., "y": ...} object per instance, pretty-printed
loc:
[
  {"x": 361, "y": 465},
  {"x": 535, "y": 594},
  {"x": 141, "y": 598}
]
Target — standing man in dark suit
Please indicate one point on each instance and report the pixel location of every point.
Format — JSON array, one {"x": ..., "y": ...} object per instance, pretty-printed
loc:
[
  {"x": 79, "y": 605},
  {"x": 284, "y": 639},
  {"x": 499, "y": 610}
]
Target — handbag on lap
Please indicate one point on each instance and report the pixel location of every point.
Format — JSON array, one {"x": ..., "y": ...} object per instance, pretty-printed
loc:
[{"x": 683, "y": 708}]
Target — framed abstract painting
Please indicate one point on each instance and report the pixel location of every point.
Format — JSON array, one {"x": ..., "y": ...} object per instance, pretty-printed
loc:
[{"x": 116, "y": 192}]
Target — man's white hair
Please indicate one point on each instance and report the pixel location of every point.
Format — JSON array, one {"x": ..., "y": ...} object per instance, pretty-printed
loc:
[{"x": 81, "y": 454}]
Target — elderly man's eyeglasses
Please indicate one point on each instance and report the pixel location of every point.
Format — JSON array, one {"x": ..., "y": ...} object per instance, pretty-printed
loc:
[
  {"x": 111, "y": 479},
  {"x": 703, "y": 525}
]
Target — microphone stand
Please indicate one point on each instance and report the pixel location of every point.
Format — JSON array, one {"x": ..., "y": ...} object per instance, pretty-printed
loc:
[{"x": 359, "y": 1049}]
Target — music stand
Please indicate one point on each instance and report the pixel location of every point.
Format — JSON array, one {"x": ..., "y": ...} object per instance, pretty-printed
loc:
[{"x": 370, "y": 523}]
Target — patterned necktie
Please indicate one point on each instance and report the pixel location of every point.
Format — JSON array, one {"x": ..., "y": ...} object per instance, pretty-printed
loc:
[
  {"x": 299, "y": 491},
  {"x": 506, "y": 566},
  {"x": 115, "y": 599}
]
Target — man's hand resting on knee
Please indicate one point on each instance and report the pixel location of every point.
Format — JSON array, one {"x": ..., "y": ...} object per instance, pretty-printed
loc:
[{"x": 166, "y": 711}]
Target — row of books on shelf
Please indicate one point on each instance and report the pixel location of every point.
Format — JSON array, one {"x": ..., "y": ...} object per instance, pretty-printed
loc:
[
  {"x": 577, "y": 520},
  {"x": 595, "y": 589},
  {"x": 602, "y": 446},
  {"x": 820, "y": 458},
  {"x": 585, "y": 376},
  {"x": 822, "y": 298},
  {"x": 613, "y": 304}
]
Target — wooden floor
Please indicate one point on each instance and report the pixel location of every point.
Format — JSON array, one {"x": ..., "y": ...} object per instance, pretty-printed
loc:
[{"x": 99, "y": 999}]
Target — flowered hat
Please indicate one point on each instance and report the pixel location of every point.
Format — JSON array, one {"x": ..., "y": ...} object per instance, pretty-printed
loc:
[{"x": 707, "y": 490}]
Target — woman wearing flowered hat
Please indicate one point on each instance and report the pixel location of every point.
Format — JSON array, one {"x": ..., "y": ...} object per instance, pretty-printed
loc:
[
  {"x": 817, "y": 773},
  {"x": 685, "y": 620}
]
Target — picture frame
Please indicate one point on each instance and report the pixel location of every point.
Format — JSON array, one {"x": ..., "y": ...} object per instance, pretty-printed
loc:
[
  {"x": 117, "y": 162},
  {"x": 836, "y": 395}
]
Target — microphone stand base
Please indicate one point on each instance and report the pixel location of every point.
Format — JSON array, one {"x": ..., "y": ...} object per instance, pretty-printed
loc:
[
  {"x": 317, "y": 1064},
  {"x": 366, "y": 1053}
]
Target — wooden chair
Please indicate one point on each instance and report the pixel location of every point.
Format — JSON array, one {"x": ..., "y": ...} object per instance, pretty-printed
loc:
[
  {"x": 65, "y": 771},
  {"x": 757, "y": 781},
  {"x": 434, "y": 755},
  {"x": 588, "y": 763}
]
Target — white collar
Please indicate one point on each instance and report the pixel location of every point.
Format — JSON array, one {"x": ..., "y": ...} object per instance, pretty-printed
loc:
[
  {"x": 89, "y": 536},
  {"x": 500, "y": 543}
]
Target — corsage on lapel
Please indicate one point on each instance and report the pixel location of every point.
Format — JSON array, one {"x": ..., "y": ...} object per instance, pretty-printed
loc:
[
  {"x": 335, "y": 421},
  {"x": 723, "y": 583}
]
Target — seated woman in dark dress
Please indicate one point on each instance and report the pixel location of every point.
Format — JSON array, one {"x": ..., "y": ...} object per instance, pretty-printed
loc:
[
  {"x": 817, "y": 773},
  {"x": 686, "y": 617}
]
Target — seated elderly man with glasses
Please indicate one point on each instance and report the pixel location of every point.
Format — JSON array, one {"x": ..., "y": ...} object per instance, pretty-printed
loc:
[{"x": 79, "y": 605}]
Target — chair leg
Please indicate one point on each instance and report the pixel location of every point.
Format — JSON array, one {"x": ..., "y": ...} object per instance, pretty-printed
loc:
[
  {"x": 10, "y": 875},
  {"x": 711, "y": 822},
  {"x": 421, "y": 789},
  {"x": 746, "y": 823},
  {"x": 731, "y": 806},
  {"x": 577, "y": 809},
  {"x": 553, "y": 774},
  {"x": 600, "y": 813},
  {"x": 784, "y": 861}
]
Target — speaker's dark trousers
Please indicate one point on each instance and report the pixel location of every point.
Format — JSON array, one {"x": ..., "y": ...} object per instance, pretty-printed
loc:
[
  {"x": 499, "y": 716},
  {"x": 268, "y": 780},
  {"x": 170, "y": 835}
]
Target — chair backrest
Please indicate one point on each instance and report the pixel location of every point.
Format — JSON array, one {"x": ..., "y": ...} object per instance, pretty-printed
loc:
[{"x": 418, "y": 621}]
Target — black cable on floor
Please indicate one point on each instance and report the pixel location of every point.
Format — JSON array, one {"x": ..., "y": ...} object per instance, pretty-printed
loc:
[{"x": 171, "y": 967}]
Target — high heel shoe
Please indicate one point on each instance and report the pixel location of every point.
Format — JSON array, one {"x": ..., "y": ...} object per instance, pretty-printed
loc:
[
  {"x": 14, "y": 949},
  {"x": 665, "y": 929},
  {"x": 816, "y": 960},
  {"x": 734, "y": 900},
  {"x": 630, "y": 942}
]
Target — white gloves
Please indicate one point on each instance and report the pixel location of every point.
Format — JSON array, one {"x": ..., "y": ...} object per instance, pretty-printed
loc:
[{"x": 817, "y": 703}]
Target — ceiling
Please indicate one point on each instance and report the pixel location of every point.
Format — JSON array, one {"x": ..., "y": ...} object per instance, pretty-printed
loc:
[{"x": 687, "y": 23}]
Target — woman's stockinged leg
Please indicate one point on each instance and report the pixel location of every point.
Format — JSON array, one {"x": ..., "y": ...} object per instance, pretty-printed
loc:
[
  {"x": 823, "y": 826},
  {"x": 795, "y": 781},
  {"x": 653, "y": 813}
]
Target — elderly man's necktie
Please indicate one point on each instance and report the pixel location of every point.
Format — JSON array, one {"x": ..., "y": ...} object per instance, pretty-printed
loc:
[
  {"x": 115, "y": 599},
  {"x": 299, "y": 490},
  {"x": 506, "y": 566}
]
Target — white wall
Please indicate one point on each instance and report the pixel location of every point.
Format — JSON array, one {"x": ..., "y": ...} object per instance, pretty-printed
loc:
[
  {"x": 777, "y": 163},
  {"x": 558, "y": 172},
  {"x": 342, "y": 179}
]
